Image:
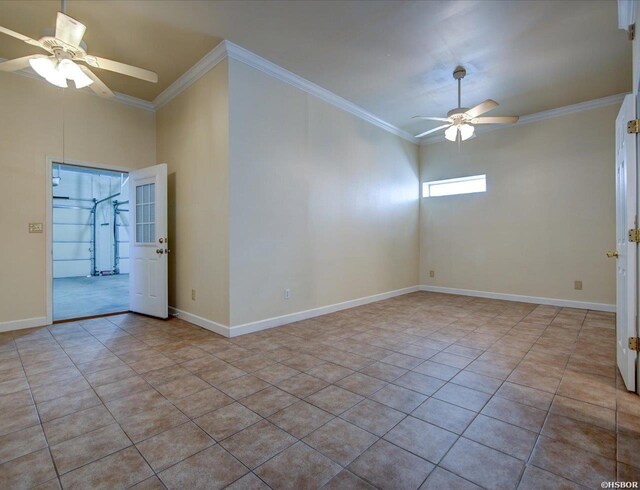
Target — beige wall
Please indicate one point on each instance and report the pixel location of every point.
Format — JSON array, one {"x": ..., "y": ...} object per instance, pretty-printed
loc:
[
  {"x": 547, "y": 218},
  {"x": 272, "y": 188},
  {"x": 322, "y": 202},
  {"x": 96, "y": 130},
  {"x": 192, "y": 138}
]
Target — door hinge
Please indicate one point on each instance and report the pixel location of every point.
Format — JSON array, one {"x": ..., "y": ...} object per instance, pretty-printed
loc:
[
  {"x": 634, "y": 343},
  {"x": 634, "y": 235},
  {"x": 633, "y": 126},
  {"x": 631, "y": 32}
]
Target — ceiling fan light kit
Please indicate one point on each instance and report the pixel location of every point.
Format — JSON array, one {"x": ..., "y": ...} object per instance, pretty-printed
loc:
[
  {"x": 57, "y": 72},
  {"x": 66, "y": 50},
  {"x": 461, "y": 121},
  {"x": 466, "y": 131}
]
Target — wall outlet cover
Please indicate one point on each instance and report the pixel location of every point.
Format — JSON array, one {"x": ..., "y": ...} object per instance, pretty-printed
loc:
[
  {"x": 36, "y": 227},
  {"x": 577, "y": 285},
  {"x": 432, "y": 273}
]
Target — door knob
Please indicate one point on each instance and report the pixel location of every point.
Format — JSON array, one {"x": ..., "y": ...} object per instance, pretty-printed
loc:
[{"x": 612, "y": 254}]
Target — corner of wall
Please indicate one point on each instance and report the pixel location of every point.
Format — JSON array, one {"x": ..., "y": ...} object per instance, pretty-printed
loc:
[{"x": 192, "y": 138}]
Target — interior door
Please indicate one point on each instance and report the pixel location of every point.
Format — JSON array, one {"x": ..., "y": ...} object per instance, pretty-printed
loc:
[
  {"x": 148, "y": 249},
  {"x": 626, "y": 250}
]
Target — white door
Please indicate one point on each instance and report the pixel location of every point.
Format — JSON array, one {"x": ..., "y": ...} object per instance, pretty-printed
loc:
[
  {"x": 148, "y": 246},
  {"x": 627, "y": 251}
]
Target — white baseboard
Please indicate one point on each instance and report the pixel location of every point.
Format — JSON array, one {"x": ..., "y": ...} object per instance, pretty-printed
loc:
[
  {"x": 201, "y": 322},
  {"x": 259, "y": 325},
  {"x": 26, "y": 323},
  {"x": 523, "y": 299},
  {"x": 256, "y": 326},
  {"x": 323, "y": 310}
]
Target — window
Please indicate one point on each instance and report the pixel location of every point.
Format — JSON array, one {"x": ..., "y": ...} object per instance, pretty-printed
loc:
[
  {"x": 145, "y": 213},
  {"x": 451, "y": 187}
]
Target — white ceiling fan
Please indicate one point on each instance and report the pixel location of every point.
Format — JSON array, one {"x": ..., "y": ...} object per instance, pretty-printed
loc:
[
  {"x": 67, "y": 49},
  {"x": 460, "y": 121}
]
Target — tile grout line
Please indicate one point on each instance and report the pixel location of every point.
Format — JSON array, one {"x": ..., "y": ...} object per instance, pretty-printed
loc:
[
  {"x": 304, "y": 339},
  {"x": 533, "y": 448},
  {"x": 460, "y": 385},
  {"x": 101, "y": 401},
  {"x": 35, "y": 406},
  {"x": 555, "y": 394}
]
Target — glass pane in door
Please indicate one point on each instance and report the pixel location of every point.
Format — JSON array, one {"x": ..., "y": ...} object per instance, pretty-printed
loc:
[{"x": 145, "y": 213}]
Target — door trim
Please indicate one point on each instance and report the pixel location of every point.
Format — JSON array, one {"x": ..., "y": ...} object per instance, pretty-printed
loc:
[{"x": 48, "y": 225}]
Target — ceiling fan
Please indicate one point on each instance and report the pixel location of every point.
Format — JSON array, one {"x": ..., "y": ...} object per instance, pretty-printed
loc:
[
  {"x": 66, "y": 49},
  {"x": 461, "y": 121}
]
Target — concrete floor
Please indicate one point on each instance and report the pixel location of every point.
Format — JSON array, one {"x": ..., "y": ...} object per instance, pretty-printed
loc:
[{"x": 75, "y": 297}]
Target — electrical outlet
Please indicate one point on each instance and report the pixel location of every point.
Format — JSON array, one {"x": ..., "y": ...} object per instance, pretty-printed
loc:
[
  {"x": 193, "y": 295},
  {"x": 432, "y": 273},
  {"x": 287, "y": 294},
  {"x": 577, "y": 285}
]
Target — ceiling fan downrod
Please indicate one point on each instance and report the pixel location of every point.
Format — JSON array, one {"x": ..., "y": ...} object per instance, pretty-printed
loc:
[{"x": 459, "y": 73}]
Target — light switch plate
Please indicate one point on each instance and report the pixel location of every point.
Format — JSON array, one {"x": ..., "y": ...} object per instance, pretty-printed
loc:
[{"x": 36, "y": 227}]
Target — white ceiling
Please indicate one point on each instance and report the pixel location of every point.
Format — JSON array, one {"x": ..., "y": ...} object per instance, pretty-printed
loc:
[{"x": 393, "y": 58}]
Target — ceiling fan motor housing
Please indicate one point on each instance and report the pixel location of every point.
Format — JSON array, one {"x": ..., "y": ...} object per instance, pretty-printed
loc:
[
  {"x": 459, "y": 73},
  {"x": 458, "y": 113},
  {"x": 52, "y": 45}
]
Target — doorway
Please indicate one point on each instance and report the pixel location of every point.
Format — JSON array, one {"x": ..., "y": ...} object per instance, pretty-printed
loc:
[{"x": 90, "y": 241}]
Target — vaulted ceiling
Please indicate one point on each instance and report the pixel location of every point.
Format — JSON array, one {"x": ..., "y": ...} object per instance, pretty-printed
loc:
[{"x": 393, "y": 58}]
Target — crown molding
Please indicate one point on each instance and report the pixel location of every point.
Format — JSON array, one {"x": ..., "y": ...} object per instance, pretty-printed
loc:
[
  {"x": 541, "y": 116},
  {"x": 206, "y": 63},
  {"x": 247, "y": 57},
  {"x": 132, "y": 101},
  {"x": 227, "y": 49}
]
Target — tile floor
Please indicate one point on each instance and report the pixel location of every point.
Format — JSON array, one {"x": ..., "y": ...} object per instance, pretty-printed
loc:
[{"x": 421, "y": 391}]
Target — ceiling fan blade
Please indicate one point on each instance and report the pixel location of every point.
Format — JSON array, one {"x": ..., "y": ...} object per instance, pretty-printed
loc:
[
  {"x": 69, "y": 30},
  {"x": 19, "y": 63},
  {"x": 428, "y": 118},
  {"x": 432, "y": 130},
  {"x": 481, "y": 108},
  {"x": 22, "y": 37},
  {"x": 495, "y": 120},
  {"x": 98, "y": 85},
  {"x": 123, "y": 68}
]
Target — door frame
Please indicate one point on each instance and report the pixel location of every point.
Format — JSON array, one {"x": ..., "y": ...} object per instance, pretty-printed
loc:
[
  {"x": 626, "y": 258},
  {"x": 48, "y": 225},
  {"x": 628, "y": 14},
  {"x": 636, "y": 95}
]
